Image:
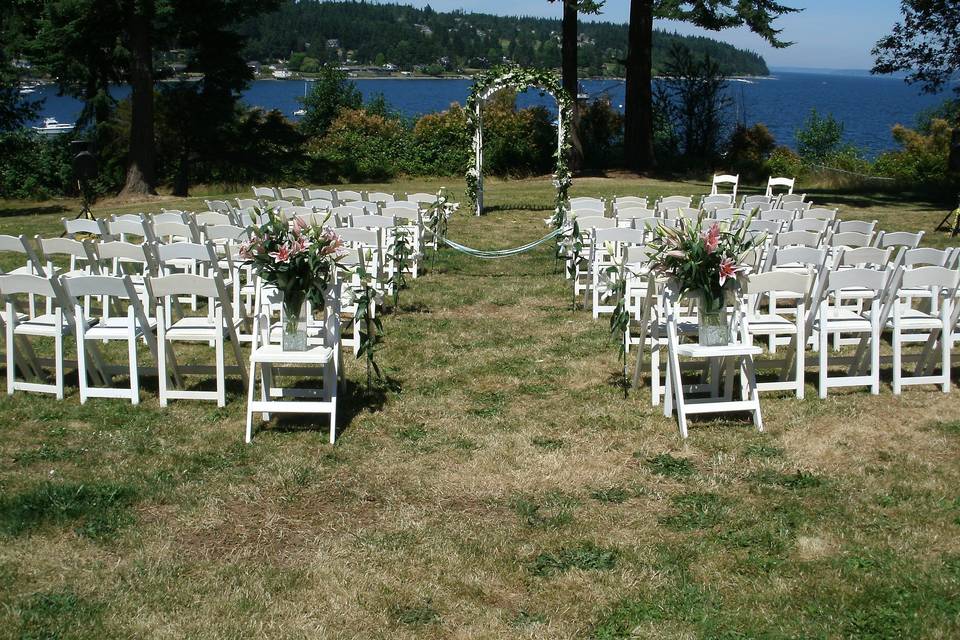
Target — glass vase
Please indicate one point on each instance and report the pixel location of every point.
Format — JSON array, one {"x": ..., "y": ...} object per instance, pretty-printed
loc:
[
  {"x": 714, "y": 325},
  {"x": 293, "y": 320}
]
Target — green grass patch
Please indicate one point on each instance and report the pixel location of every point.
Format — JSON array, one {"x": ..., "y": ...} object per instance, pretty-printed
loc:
[
  {"x": 696, "y": 511},
  {"x": 97, "y": 510},
  {"x": 762, "y": 450},
  {"x": 62, "y": 615},
  {"x": 553, "y": 510},
  {"x": 586, "y": 557},
  {"x": 615, "y": 495},
  {"x": 419, "y": 614},
  {"x": 665, "y": 464}
]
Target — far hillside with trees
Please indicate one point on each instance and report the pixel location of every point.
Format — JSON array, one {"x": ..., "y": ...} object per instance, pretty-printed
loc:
[{"x": 314, "y": 33}]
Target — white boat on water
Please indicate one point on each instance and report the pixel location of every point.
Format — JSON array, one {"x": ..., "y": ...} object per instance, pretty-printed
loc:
[
  {"x": 51, "y": 126},
  {"x": 300, "y": 113}
]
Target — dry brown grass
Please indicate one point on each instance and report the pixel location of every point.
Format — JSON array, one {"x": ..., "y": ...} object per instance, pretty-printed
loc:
[{"x": 476, "y": 496}]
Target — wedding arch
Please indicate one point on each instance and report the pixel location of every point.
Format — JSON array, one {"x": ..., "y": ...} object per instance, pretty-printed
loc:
[{"x": 518, "y": 79}]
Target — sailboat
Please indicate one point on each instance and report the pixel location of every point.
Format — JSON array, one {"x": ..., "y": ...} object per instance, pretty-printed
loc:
[{"x": 299, "y": 113}]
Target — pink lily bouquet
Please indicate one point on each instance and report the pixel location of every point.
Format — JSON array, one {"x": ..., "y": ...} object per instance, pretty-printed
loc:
[
  {"x": 703, "y": 256},
  {"x": 299, "y": 259}
]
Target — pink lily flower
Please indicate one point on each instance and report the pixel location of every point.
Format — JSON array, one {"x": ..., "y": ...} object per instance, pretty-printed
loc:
[
  {"x": 282, "y": 254},
  {"x": 711, "y": 239},
  {"x": 728, "y": 269}
]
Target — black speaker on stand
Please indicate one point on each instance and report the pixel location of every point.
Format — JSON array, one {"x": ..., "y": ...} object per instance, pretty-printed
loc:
[{"x": 84, "y": 170}]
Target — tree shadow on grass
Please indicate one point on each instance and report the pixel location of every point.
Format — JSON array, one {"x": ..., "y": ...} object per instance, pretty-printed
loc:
[{"x": 45, "y": 209}]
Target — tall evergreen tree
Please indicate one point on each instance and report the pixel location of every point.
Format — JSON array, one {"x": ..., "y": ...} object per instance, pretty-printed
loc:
[
  {"x": 715, "y": 15},
  {"x": 90, "y": 44},
  {"x": 568, "y": 56}
]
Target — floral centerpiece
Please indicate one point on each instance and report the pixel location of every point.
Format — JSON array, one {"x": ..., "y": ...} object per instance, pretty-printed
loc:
[
  {"x": 704, "y": 257},
  {"x": 301, "y": 261}
]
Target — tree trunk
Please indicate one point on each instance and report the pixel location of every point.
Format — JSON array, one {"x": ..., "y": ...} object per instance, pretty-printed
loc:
[
  {"x": 142, "y": 154},
  {"x": 569, "y": 79},
  {"x": 638, "y": 106}
]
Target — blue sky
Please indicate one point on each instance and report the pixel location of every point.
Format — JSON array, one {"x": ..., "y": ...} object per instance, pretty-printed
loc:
[{"x": 831, "y": 34}]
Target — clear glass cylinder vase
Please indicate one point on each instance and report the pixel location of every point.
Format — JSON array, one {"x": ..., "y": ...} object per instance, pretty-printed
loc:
[
  {"x": 714, "y": 324},
  {"x": 293, "y": 321}
]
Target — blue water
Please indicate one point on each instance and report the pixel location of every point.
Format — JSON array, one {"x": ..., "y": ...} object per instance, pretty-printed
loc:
[{"x": 867, "y": 105}]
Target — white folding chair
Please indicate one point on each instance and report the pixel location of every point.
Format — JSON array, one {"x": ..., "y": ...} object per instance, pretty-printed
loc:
[
  {"x": 721, "y": 357},
  {"x": 349, "y": 195},
  {"x": 264, "y": 193},
  {"x": 626, "y": 215},
  {"x": 859, "y": 226},
  {"x": 672, "y": 202},
  {"x": 291, "y": 193},
  {"x": 820, "y": 213},
  {"x": 131, "y": 327},
  {"x": 835, "y": 318},
  {"x": 934, "y": 325},
  {"x": 617, "y": 239},
  {"x": 780, "y": 183},
  {"x": 85, "y": 226},
  {"x": 380, "y": 197},
  {"x": 774, "y": 325},
  {"x": 889, "y": 239},
  {"x": 725, "y": 181},
  {"x": 628, "y": 202},
  {"x": 56, "y": 324},
  {"x": 268, "y": 359},
  {"x": 215, "y": 326}
]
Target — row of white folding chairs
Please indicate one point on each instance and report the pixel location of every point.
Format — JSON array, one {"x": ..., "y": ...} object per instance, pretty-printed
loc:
[
  {"x": 339, "y": 196},
  {"x": 831, "y": 305}
]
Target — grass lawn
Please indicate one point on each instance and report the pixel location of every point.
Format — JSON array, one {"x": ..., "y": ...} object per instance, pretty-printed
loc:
[{"x": 499, "y": 486}]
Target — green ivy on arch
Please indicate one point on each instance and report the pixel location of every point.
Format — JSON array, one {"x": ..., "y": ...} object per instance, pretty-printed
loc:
[{"x": 518, "y": 78}]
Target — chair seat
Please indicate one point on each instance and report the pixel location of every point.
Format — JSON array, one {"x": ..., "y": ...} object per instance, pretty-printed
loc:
[
  {"x": 913, "y": 319},
  {"x": 193, "y": 328},
  {"x": 771, "y": 323},
  {"x": 117, "y": 328},
  {"x": 845, "y": 320},
  {"x": 45, "y": 325},
  {"x": 20, "y": 316},
  {"x": 701, "y": 351},
  {"x": 274, "y": 353}
]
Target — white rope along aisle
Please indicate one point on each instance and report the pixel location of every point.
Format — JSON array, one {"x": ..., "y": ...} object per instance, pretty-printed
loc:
[{"x": 501, "y": 253}]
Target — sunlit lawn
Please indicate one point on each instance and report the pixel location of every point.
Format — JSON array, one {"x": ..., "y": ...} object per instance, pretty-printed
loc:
[{"x": 498, "y": 486}]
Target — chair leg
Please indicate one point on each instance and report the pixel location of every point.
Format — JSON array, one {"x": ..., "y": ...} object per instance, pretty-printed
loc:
[
  {"x": 58, "y": 364},
  {"x": 248, "y": 436},
  {"x": 751, "y": 375},
  {"x": 82, "y": 365},
  {"x": 875, "y": 358},
  {"x": 945, "y": 360},
  {"x": 800, "y": 362},
  {"x": 823, "y": 362},
  {"x": 897, "y": 345},
  {"x": 11, "y": 360},
  {"x": 134, "y": 379},
  {"x": 221, "y": 366},
  {"x": 162, "y": 363}
]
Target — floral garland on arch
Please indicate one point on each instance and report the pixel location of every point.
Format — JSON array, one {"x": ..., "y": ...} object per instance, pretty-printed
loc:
[{"x": 510, "y": 76}]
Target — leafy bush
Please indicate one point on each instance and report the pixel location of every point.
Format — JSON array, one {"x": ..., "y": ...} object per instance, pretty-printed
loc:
[
  {"x": 441, "y": 143},
  {"x": 749, "y": 149},
  {"x": 517, "y": 142},
  {"x": 360, "y": 146},
  {"x": 784, "y": 161},
  {"x": 601, "y": 132},
  {"x": 820, "y": 137},
  {"x": 33, "y": 166},
  {"x": 331, "y": 94},
  {"x": 923, "y": 157}
]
